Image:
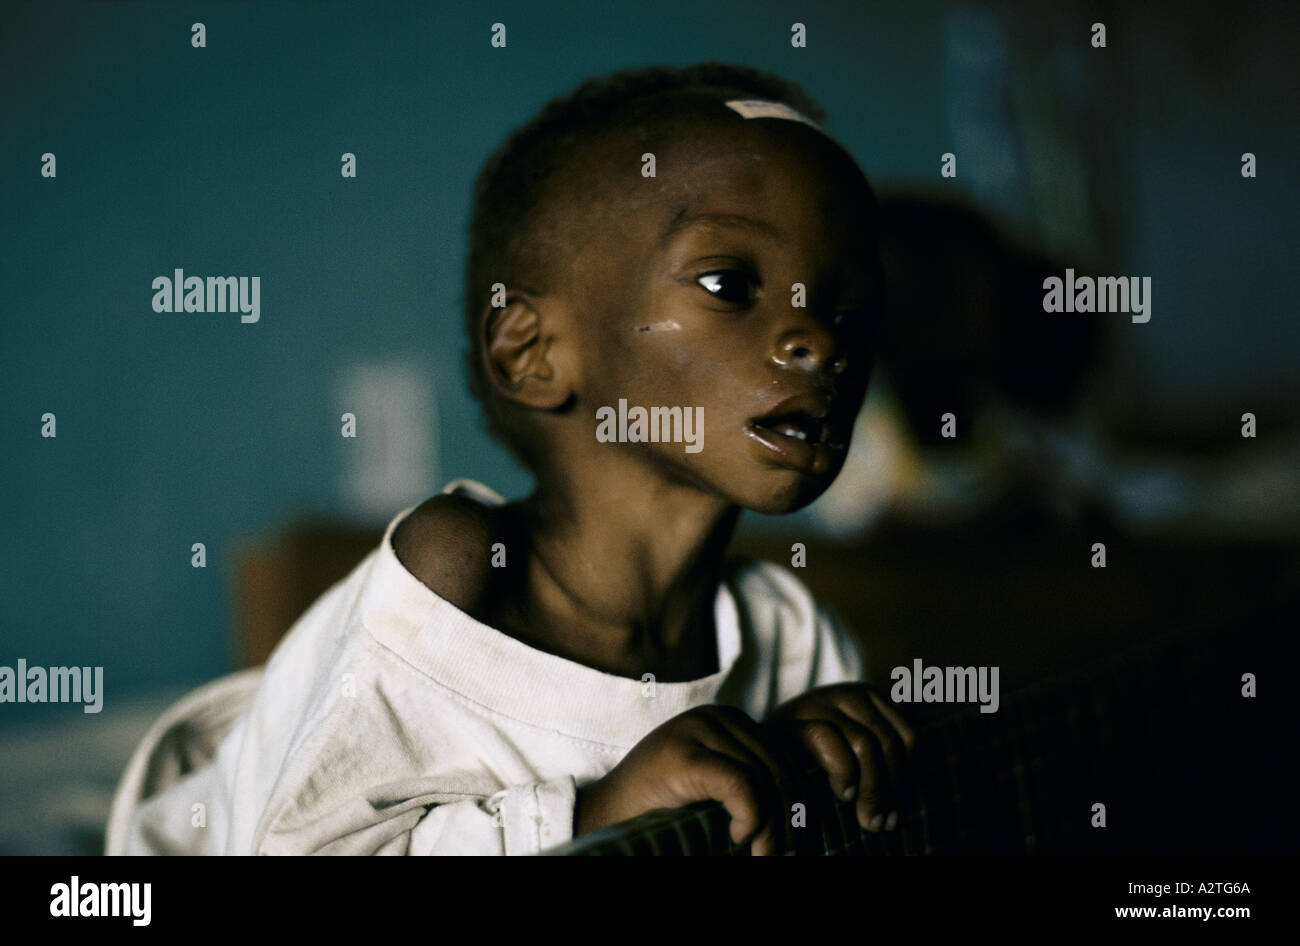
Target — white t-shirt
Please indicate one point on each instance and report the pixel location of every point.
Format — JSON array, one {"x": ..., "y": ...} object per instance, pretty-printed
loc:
[{"x": 388, "y": 721}]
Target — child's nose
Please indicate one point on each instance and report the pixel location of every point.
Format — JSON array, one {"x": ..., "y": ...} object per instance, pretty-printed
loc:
[{"x": 809, "y": 348}]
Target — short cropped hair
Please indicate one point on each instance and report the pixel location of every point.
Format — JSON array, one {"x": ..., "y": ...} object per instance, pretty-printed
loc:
[{"x": 508, "y": 215}]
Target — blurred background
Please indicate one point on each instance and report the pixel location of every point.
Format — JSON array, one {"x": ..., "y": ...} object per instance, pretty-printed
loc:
[{"x": 1071, "y": 429}]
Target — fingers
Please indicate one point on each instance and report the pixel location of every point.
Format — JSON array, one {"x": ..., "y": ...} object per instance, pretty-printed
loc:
[
  {"x": 854, "y": 763},
  {"x": 876, "y": 802},
  {"x": 905, "y": 732},
  {"x": 889, "y": 741},
  {"x": 863, "y": 745},
  {"x": 744, "y": 740},
  {"x": 832, "y": 754},
  {"x": 729, "y": 780}
]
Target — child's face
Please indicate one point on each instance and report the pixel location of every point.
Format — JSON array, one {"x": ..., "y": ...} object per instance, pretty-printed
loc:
[{"x": 687, "y": 300}]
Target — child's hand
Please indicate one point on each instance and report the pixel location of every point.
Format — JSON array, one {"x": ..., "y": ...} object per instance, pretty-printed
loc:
[
  {"x": 710, "y": 752},
  {"x": 859, "y": 740}
]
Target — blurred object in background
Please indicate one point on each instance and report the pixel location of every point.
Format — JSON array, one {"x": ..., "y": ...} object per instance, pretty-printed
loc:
[
  {"x": 278, "y": 578},
  {"x": 57, "y": 777},
  {"x": 964, "y": 333},
  {"x": 1040, "y": 435},
  {"x": 964, "y": 321},
  {"x": 393, "y": 457},
  {"x": 1073, "y": 155}
]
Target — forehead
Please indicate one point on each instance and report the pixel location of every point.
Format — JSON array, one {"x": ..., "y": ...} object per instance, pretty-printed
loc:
[
  {"x": 711, "y": 167},
  {"x": 714, "y": 167}
]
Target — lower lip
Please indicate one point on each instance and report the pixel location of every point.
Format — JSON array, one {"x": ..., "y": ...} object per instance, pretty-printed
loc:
[{"x": 794, "y": 453}]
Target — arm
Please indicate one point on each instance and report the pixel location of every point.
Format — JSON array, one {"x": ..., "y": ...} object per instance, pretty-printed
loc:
[{"x": 710, "y": 752}]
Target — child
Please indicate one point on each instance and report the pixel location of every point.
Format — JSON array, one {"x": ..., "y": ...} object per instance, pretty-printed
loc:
[{"x": 671, "y": 284}]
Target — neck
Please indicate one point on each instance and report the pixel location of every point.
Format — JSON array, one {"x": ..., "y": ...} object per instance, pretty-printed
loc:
[{"x": 623, "y": 566}]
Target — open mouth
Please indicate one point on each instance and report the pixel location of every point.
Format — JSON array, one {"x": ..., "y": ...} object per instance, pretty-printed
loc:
[
  {"x": 799, "y": 425},
  {"x": 800, "y": 434}
]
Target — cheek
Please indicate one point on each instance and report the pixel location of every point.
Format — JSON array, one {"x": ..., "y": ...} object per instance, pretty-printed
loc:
[
  {"x": 665, "y": 342},
  {"x": 672, "y": 353},
  {"x": 668, "y": 368},
  {"x": 695, "y": 341}
]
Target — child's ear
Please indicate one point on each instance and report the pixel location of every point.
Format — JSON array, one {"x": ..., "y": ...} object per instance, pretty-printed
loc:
[{"x": 517, "y": 351}]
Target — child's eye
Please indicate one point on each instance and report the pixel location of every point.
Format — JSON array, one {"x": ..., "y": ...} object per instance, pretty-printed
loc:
[{"x": 729, "y": 285}]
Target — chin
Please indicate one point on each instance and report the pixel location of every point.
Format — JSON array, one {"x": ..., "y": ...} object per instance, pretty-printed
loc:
[{"x": 787, "y": 491}]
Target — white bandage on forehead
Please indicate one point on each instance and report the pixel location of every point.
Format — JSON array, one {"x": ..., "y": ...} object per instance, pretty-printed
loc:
[{"x": 761, "y": 108}]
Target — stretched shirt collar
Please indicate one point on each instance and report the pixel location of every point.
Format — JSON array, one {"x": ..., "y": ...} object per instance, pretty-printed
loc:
[{"x": 510, "y": 678}]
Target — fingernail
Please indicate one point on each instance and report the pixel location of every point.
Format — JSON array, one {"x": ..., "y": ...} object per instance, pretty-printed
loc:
[
  {"x": 891, "y": 821},
  {"x": 876, "y": 822},
  {"x": 849, "y": 792}
]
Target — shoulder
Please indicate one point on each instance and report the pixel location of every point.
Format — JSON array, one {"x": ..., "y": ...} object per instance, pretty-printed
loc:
[
  {"x": 447, "y": 543},
  {"x": 766, "y": 586},
  {"x": 787, "y": 618}
]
